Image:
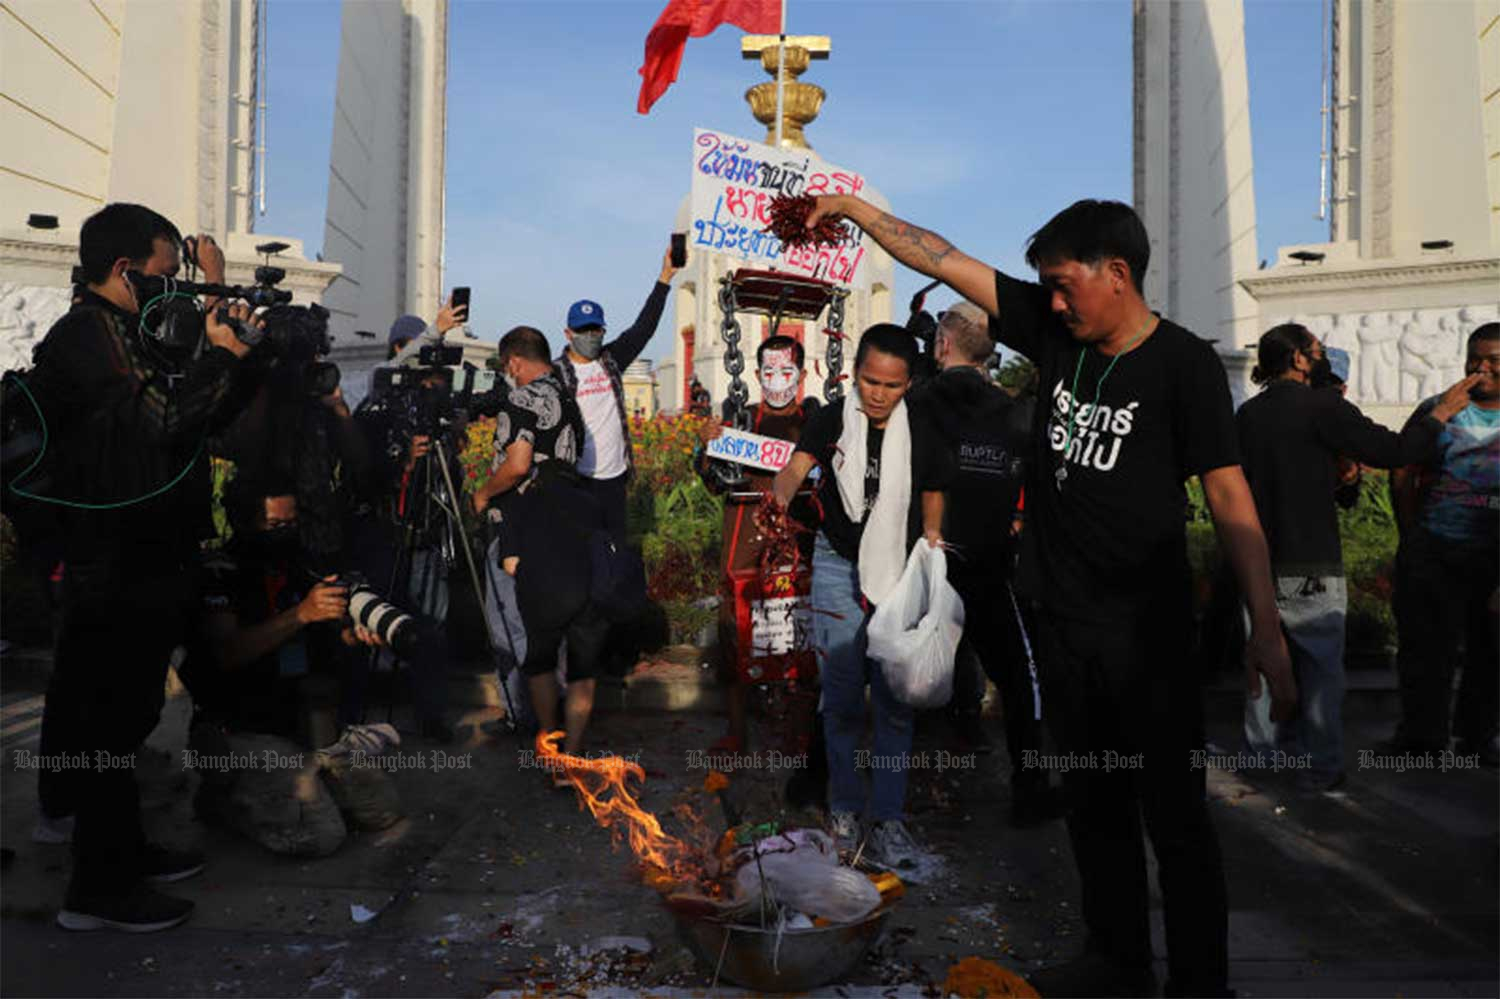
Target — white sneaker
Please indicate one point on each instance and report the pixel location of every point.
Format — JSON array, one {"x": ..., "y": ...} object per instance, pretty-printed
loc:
[
  {"x": 892, "y": 846},
  {"x": 844, "y": 828},
  {"x": 52, "y": 831}
]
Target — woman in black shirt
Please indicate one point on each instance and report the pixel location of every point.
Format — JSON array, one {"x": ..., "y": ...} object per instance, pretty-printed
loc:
[{"x": 883, "y": 469}]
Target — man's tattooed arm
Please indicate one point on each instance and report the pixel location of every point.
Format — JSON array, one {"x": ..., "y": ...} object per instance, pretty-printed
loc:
[
  {"x": 923, "y": 251},
  {"x": 914, "y": 246}
]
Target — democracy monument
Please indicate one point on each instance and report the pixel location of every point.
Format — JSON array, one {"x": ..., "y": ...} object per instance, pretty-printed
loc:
[
  {"x": 1409, "y": 186},
  {"x": 1409, "y": 178}
]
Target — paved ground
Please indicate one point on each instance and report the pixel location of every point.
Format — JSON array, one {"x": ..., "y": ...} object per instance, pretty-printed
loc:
[{"x": 494, "y": 882}]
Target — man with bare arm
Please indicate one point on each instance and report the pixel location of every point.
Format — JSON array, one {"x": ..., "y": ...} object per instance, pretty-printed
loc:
[{"x": 1133, "y": 405}]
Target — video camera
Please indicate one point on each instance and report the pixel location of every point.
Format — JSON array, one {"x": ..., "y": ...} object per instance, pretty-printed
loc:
[
  {"x": 441, "y": 389},
  {"x": 172, "y": 316}
]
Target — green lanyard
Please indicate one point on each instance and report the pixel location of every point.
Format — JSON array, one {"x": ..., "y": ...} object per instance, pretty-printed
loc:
[{"x": 1062, "y": 470}]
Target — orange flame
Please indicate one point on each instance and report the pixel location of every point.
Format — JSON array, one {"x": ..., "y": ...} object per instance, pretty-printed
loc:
[{"x": 602, "y": 788}]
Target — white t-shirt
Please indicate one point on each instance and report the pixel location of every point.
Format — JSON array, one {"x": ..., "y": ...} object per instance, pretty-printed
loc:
[{"x": 603, "y": 454}]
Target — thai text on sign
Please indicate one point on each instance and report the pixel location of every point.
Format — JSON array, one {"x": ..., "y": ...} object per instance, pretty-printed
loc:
[
  {"x": 734, "y": 181},
  {"x": 769, "y": 454}
]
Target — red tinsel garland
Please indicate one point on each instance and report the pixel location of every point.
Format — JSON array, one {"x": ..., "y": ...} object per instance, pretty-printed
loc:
[{"x": 789, "y": 223}]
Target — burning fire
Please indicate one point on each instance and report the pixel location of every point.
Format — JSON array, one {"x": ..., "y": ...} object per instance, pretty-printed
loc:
[{"x": 602, "y": 785}]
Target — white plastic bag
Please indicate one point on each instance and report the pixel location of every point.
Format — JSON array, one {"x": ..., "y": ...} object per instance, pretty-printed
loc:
[
  {"x": 914, "y": 633},
  {"x": 801, "y": 868},
  {"x": 807, "y": 883}
]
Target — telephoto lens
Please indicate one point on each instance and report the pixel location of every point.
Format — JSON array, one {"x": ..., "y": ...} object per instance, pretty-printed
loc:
[{"x": 396, "y": 628}]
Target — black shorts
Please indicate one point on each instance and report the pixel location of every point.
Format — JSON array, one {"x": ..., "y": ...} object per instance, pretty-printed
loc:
[{"x": 585, "y": 635}]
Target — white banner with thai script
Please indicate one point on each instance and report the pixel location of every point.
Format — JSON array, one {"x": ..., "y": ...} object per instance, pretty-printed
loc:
[
  {"x": 769, "y": 454},
  {"x": 734, "y": 181}
]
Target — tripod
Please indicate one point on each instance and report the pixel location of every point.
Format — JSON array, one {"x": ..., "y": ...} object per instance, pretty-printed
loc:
[{"x": 425, "y": 492}]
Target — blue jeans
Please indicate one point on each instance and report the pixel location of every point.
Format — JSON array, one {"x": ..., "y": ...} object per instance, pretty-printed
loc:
[
  {"x": 839, "y": 633},
  {"x": 1312, "y": 616}
]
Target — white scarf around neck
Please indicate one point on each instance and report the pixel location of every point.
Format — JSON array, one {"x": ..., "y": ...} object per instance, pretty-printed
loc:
[{"x": 882, "y": 547}]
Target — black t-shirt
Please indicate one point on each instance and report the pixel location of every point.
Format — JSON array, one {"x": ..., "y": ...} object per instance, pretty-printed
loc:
[
  {"x": 1111, "y": 541},
  {"x": 1292, "y": 436},
  {"x": 989, "y": 434},
  {"x": 260, "y": 696},
  {"x": 931, "y": 471}
]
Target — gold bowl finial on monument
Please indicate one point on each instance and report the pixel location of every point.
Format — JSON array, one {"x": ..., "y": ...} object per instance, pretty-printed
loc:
[{"x": 801, "y": 102}]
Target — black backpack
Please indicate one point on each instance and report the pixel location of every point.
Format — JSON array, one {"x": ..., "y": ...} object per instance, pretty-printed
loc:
[{"x": 617, "y": 577}]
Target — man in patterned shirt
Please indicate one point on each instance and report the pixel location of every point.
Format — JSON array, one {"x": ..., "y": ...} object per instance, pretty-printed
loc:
[{"x": 546, "y": 518}]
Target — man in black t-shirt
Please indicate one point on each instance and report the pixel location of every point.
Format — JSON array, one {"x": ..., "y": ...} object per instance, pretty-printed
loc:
[
  {"x": 1132, "y": 406},
  {"x": 987, "y": 433}
]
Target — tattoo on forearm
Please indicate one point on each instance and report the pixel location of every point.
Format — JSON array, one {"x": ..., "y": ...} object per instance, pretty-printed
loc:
[{"x": 913, "y": 246}]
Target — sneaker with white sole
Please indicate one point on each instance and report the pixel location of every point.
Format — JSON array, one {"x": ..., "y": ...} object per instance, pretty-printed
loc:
[
  {"x": 51, "y": 830},
  {"x": 844, "y": 828},
  {"x": 138, "y": 910},
  {"x": 164, "y": 866},
  {"x": 892, "y": 846}
]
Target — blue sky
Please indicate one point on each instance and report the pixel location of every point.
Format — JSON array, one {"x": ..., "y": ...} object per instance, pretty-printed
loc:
[{"x": 977, "y": 119}]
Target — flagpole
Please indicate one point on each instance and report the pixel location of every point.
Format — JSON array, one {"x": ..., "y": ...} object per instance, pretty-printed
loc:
[{"x": 780, "y": 74}]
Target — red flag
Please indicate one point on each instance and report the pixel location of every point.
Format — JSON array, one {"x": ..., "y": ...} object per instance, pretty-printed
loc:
[{"x": 696, "y": 18}]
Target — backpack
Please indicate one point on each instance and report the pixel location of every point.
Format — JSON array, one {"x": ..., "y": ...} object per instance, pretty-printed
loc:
[
  {"x": 25, "y": 464},
  {"x": 617, "y": 577}
]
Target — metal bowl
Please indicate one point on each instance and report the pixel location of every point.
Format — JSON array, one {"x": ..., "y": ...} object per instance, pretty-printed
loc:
[{"x": 805, "y": 959}]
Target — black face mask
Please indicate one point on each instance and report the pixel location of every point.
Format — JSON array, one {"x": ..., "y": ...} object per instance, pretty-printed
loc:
[
  {"x": 1320, "y": 375},
  {"x": 171, "y": 322},
  {"x": 276, "y": 545}
]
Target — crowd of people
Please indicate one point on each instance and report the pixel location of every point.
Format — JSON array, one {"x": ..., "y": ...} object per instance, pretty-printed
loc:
[{"x": 1062, "y": 519}]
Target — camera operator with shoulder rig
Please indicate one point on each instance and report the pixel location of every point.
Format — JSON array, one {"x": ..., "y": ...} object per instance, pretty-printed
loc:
[
  {"x": 265, "y": 686},
  {"x": 125, "y": 410}
]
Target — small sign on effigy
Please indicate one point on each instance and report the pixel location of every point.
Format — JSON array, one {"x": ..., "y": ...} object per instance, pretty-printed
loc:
[{"x": 769, "y": 454}]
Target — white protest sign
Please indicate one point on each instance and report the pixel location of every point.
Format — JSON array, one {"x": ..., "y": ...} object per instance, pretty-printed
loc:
[
  {"x": 769, "y": 454},
  {"x": 734, "y": 181}
]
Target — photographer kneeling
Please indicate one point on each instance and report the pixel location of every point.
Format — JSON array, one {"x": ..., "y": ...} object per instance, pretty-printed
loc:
[{"x": 263, "y": 678}]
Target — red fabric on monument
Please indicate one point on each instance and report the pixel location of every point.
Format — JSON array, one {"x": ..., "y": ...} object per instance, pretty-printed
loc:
[{"x": 695, "y": 18}]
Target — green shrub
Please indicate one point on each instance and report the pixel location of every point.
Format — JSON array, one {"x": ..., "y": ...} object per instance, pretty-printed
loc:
[{"x": 677, "y": 522}]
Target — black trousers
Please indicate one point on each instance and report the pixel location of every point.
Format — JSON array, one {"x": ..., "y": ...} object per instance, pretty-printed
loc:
[
  {"x": 120, "y": 623},
  {"x": 993, "y": 636},
  {"x": 611, "y": 496},
  {"x": 1126, "y": 712},
  {"x": 1442, "y": 598}
]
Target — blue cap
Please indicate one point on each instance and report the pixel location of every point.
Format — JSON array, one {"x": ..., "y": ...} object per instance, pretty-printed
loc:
[
  {"x": 406, "y": 328},
  {"x": 584, "y": 313},
  {"x": 1338, "y": 360}
]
